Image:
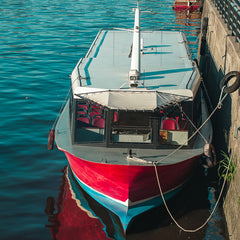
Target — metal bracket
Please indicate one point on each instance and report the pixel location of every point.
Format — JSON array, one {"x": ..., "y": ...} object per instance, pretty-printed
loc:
[{"x": 236, "y": 133}]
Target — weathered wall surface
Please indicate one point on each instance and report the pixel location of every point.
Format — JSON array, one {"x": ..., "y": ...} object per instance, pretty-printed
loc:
[{"x": 220, "y": 54}]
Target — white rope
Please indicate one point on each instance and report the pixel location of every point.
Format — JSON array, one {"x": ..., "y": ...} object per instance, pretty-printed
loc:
[
  {"x": 197, "y": 130},
  {"x": 205, "y": 140},
  {"x": 210, "y": 216},
  {"x": 220, "y": 195}
]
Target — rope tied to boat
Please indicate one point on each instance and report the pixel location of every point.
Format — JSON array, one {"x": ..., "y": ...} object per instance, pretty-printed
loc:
[
  {"x": 210, "y": 216},
  {"x": 219, "y": 105},
  {"x": 221, "y": 99},
  {"x": 155, "y": 164}
]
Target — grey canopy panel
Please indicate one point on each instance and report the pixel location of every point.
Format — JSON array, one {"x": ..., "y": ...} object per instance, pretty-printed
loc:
[{"x": 139, "y": 100}]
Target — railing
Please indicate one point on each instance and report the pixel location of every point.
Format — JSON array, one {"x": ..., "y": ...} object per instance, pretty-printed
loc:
[{"x": 230, "y": 11}]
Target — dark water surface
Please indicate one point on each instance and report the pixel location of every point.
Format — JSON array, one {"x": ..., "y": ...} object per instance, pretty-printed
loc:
[{"x": 40, "y": 43}]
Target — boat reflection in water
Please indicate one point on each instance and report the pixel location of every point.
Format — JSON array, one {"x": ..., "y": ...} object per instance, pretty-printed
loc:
[
  {"x": 78, "y": 216},
  {"x": 180, "y": 5},
  {"x": 188, "y": 18}
]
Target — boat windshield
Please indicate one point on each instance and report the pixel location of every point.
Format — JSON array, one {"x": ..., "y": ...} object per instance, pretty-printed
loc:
[
  {"x": 120, "y": 128},
  {"x": 155, "y": 128},
  {"x": 132, "y": 127},
  {"x": 89, "y": 122}
]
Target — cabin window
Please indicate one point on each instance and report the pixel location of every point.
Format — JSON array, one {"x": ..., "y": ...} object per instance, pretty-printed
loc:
[
  {"x": 174, "y": 126},
  {"x": 156, "y": 129},
  {"x": 71, "y": 104},
  {"x": 89, "y": 122},
  {"x": 131, "y": 127},
  {"x": 94, "y": 124}
]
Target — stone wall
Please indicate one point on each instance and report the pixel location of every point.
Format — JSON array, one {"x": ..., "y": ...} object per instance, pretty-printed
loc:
[{"x": 219, "y": 53}]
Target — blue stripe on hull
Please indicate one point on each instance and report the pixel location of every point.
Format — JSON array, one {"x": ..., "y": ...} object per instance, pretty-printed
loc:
[{"x": 127, "y": 213}]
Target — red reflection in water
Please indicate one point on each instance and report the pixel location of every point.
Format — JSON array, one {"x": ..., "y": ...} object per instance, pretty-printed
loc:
[
  {"x": 188, "y": 18},
  {"x": 72, "y": 220}
]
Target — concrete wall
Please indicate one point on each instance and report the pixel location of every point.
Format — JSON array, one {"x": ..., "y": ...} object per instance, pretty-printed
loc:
[{"x": 220, "y": 55}]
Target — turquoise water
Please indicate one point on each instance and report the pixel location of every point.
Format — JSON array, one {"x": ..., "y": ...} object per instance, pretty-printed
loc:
[{"x": 40, "y": 43}]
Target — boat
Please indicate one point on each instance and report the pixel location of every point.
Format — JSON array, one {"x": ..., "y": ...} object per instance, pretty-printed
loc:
[
  {"x": 134, "y": 127},
  {"x": 191, "y": 5}
]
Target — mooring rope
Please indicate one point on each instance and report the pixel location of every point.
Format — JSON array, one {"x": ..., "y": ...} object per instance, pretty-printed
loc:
[
  {"x": 221, "y": 99},
  {"x": 205, "y": 140},
  {"x": 210, "y": 216}
]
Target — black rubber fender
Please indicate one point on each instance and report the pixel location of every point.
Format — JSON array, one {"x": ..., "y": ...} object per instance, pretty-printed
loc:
[
  {"x": 210, "y": 158},
  {"x": 232, "y": 88}
]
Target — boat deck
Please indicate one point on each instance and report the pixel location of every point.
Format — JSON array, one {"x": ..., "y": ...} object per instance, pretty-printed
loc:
[{"x": 165, "y": 62}]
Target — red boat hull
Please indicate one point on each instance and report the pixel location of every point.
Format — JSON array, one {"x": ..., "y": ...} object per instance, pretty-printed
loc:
[{"x": 130, "y": 182}]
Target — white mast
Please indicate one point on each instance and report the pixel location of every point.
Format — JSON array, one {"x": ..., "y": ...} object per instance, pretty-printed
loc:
[{"x": 134, "y": 73}]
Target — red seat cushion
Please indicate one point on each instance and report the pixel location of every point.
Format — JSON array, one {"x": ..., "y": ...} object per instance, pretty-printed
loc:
[
  {"x": 169, "y": 124},
  {"x": 98, "y": 121}
]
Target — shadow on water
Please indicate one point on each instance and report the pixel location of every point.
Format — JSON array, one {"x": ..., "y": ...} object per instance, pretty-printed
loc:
[
  {"x": 78, "y": 216},
  {"x": 222, "y": 119}
]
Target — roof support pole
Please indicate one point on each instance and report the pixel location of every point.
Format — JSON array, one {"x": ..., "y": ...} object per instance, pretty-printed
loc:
[{"x": 134, "y": 73}]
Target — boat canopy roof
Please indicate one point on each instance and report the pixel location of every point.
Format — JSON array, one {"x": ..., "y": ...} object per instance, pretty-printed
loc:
[
  {"x": 136, "y": 100},
  {"x": 168, "y": 74}
]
